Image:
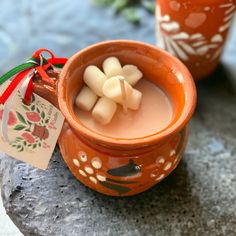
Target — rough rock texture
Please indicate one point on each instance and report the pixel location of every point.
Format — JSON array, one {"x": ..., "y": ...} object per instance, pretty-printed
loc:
[{"x": 199, "y": 198}]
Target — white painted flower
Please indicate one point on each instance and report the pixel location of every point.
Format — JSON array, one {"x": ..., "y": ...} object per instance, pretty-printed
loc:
[
  {"x": 172, "y": 152},
  {"x": 83, "y": 156},
  {"x": 154, "y": 173},
  {"x": 82, "y": 173},
  {"x": 89, "y": 170},
  {"x": 92, "y": 179},
  {"x": 76, "y": 162},
  {"x": 101, "y": 177},
  {"x": 160, "y": 177},
  {"x": 96, "y": 163},
  {"x": 160, "y": 160},
  {"x": 167, "y": 166}
]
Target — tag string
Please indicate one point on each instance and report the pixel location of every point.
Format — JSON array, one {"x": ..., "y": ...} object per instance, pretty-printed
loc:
[{"x": 22, "y": 80}]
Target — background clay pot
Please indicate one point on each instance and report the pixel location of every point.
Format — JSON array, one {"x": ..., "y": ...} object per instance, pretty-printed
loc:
[
  {"x": 194, "y": 31},
  {"x": 122, "y": 167}
]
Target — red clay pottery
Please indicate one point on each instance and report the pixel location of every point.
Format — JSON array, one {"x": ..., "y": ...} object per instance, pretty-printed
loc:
[
  {"x": 123, "y": 167},
  {"x": 195, "y": 31}
]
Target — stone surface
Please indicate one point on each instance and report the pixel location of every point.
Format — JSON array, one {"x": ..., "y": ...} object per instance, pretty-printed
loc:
[{"x": 199, "y": 198}]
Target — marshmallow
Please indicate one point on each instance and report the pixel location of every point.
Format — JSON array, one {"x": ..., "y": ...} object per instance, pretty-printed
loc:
[
  {"x": 86, "y": 99},
  {"x": 132, "y": 74},
  {"x": 95, "y": 79},
  {"x": 112, "y": 67},
  {"x": 112, "y": 89},
  {"x": 104, "y": 110},
  {"x": 134, "y": 100}
]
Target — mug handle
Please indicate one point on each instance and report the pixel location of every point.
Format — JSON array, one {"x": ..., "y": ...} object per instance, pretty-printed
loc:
[{"x": 46, "y": 90}]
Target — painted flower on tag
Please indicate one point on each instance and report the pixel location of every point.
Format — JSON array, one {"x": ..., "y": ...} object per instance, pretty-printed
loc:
[
  {"x": 12, "y": 118},
  {"x": 33, "y": 116},
  {"x": 32, "y": 125},
  {"x": 28, "y": 137}
]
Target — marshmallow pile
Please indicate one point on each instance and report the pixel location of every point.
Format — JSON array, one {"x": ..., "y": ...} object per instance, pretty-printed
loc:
[{"x": 104, "y": 91}]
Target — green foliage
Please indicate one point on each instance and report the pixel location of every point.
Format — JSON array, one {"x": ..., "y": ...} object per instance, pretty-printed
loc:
[
  {"x": 19, "y": 127},
  {"x": 20, "y": 117},
  {"x": 128, "y": 8}
]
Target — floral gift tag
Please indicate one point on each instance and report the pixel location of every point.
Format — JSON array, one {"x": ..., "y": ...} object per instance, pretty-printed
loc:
[{"x": 33, "y": 130}]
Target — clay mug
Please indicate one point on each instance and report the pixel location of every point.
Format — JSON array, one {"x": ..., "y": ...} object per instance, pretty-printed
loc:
[
  {"x": 195, "y": 31},
  {"x": 123, "y": 167}
]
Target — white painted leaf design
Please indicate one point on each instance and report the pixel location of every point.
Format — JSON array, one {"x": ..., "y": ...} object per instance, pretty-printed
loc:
[
  {"x": 182, "y": 45},
  {"x": 181, "y": 35},
  {"x": 217, "y": 53},
  {"x": 170, "y": 26},
  {"x": 166, "y": 18},
  {"x": 224, "y": 27},
  {"x": 216, "y": 38},
  {"x": 231, "y": 9},
  {"x": 197, "y": 36},
  {"x": 202, "y": 50},
  {"x": 181, "y": 54},
  {"x": 200, "y": 43},
  {"x": 187, "y": 48},
  {"x": 169, "y": 48},
  {"x": 229, "y": 17}
]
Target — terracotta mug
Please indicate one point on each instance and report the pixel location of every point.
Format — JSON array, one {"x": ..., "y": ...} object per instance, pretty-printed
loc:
[
  {"x": 195, "y": 31},
  {"x": 122, "y": 167}
]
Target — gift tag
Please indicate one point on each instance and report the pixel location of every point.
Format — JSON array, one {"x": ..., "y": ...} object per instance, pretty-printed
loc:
[{"x": 33, "y": 130}]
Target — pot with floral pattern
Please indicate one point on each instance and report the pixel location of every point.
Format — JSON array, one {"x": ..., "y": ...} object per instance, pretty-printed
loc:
[
  {"x": 195, "y": 31},
  {"x": 123, "y": 167}
]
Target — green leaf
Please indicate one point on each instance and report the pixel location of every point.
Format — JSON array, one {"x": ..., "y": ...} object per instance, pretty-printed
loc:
[
  {"x": 131, "y": 15},
  {"x": 24, "y": 143},
  {"x": 103, "y": 2},
  {"x": 25, "y": 107},
  {"x": 19, "y": 127},
  {"x": 20, "y": 117},
  {"x": 118, "y": 5},
  {"x": 38, "y": 110},
  {"x": 43, "y": 114},
  {"x": 46, "y": 121},
  {"x": 39, "y": 144},
  {"x": 149, "y": 6},
  {"x": 33, "y": 108},
  {"x": 35, "y": 145}
]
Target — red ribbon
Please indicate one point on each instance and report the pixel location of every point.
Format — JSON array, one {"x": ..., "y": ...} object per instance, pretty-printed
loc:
[{"x": 40, "y": 69}]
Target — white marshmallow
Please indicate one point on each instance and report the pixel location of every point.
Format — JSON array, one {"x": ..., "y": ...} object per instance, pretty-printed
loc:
[
  {"x": 112, "y": 89},
  {"x": 104, "y": 110},
  {"x": 86, "y": 99},
  {"x": 132, "y": 74},
  {"x": 95, "y": 79},
  {"x": 134, "y": 100},
  {"x": 112, "y": 67}
]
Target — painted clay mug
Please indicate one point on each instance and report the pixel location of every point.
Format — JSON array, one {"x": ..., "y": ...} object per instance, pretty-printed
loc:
[
  {"x": 195, "y": 31},
  {"x": 123, "y": 167}
]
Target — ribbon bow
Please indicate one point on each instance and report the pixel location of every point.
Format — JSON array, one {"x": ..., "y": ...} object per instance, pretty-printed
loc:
[{"x": 22, "y": 80}]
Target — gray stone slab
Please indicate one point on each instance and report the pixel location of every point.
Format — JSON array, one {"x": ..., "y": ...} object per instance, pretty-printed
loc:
[{"x": 199, "y": 198}]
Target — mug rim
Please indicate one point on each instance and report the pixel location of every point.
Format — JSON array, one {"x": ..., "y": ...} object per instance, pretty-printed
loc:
[{"x": 188, "y": 109}]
